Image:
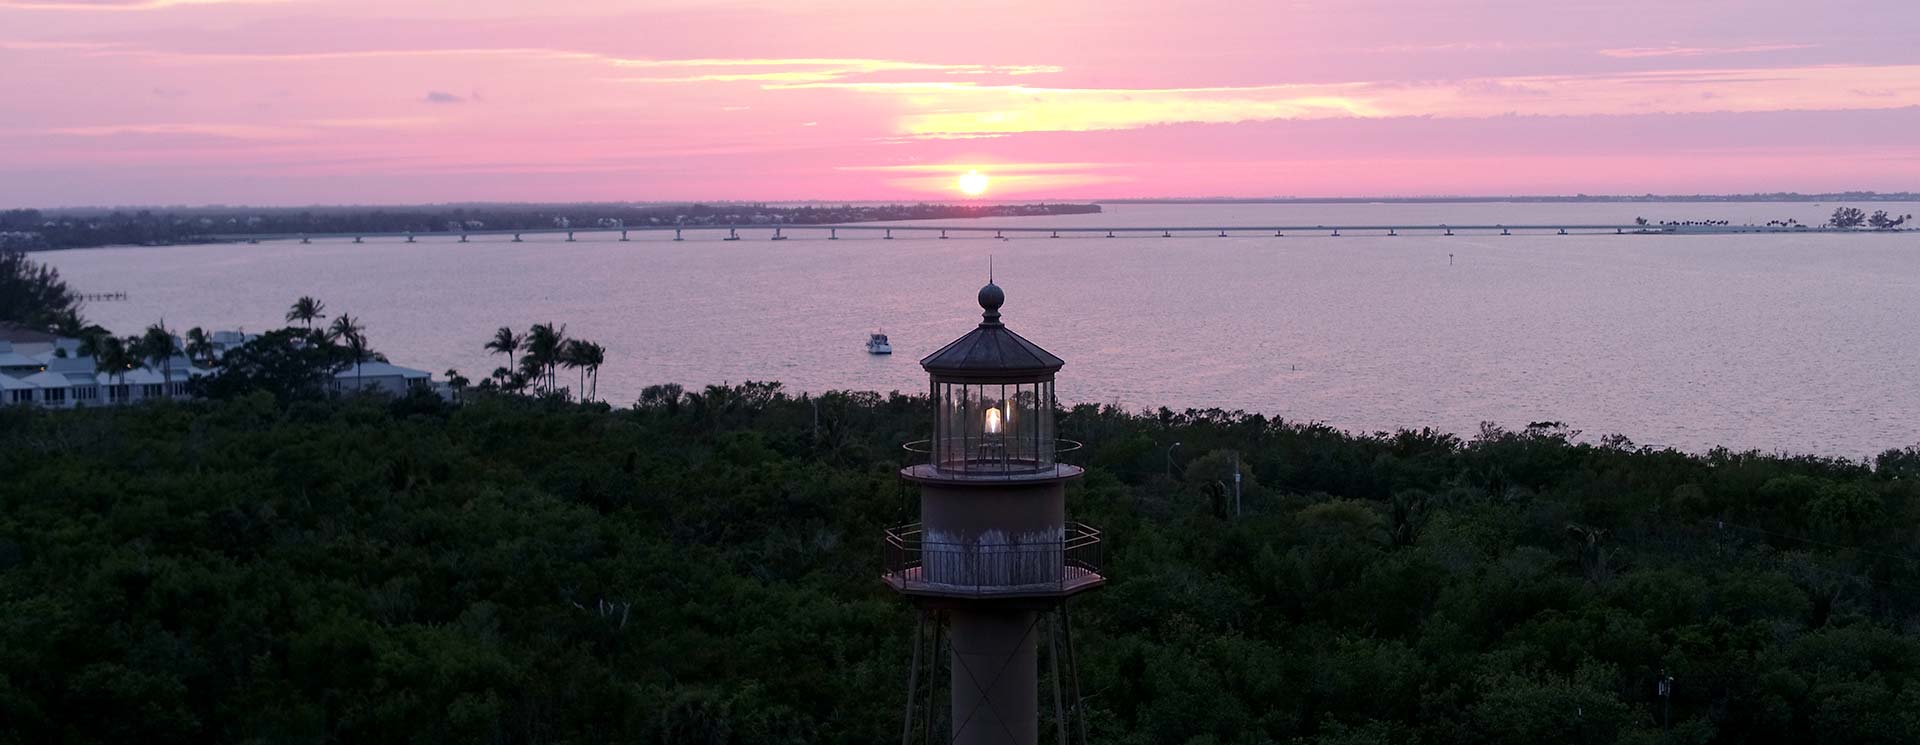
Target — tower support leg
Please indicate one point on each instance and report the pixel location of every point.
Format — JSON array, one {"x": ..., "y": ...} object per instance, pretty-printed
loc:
[
  {"x": 1073, "y": 671},
  {"x": 1053, "y": 670},
  {"x": 995, "y": 677},
  {"x": 913, "y": 679}
]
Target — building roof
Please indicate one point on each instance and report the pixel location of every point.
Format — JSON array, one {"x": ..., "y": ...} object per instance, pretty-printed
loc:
[
  {"x": 18, "y": 334},
  {"x": 48, "y": 380},
  {"x": 992, "y": 350},
  {"x": 10, "y": 383},
  {"x": 10, "y": 358},
  {"x": 376, "y": 369},
  {"x": 137, "y": 376}
]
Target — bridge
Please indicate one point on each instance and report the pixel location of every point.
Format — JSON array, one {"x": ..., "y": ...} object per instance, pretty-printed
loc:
[{"x": 887, "y": 230}]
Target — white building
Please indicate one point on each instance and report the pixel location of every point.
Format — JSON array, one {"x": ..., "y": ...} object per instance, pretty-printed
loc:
[
  {"x": 41, "y": 369},
  {"x": 382, "y": 377}
]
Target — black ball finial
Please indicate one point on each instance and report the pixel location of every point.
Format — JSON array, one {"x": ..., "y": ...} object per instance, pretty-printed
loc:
[{"x": 991, "y": 297}]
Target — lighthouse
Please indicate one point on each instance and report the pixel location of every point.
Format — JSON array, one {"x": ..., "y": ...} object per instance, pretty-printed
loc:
[{"x": 994, "y": 559}]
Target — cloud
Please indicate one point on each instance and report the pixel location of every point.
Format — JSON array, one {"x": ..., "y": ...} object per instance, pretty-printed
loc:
[
  {"x": 442, "y": 97},
  {"x": 959, "y": 168},
  {"x": 222, "y": 131},
  {"x": 946, "y": 108},
  {"x": 810, "y": 69},
  {"x": 121, "y": 5},
  {"x": 1679, "y": 51},
  {"x": 226, "y": 130}
]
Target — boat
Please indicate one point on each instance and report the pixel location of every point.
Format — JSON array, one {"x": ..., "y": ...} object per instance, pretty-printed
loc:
[{"x": 877, "y": 344}]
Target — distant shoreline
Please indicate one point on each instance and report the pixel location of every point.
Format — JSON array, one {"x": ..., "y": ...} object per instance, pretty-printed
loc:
[{"x": 1784, "y": 198}]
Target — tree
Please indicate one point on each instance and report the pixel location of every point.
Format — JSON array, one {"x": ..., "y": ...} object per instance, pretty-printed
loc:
[
  {"x": 156, "y": 346},
  {"x": 1847, "y": 217},
  {"x": 306, "y": 310},
  {"x": 457, "y": 382},
  {"x": 570, "y": 358},
  {"x": 347, "y": 332},
  {"x": 199, "y": 346},
  {"x": 543, "y": 343},
  {"x": 1881, "y": 221},
  {"x": 33, "y": 295},
  {"x": 506, "y": 342},
  {"x": 110, "y": 356},
  {"x": 592, "y": 355},
  {"x": 282, "y": 362}
]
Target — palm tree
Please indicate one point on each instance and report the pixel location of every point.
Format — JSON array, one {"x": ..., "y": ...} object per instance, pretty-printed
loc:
[
  {"x": 506, "y": 342},
  {"x": 542, "y": 344},
  {"x": 110, "y": 356},
  {"x": 531, "y": 371},
  {"x": 199, "y": 346},
  {"x": 346, "y": 330},
  {"x": 306, "y": 310},
  {"x": 457, "y": 382},
  {"x": 571, "y": 353},
  {"x": 591, "y": 355},
  {"x": 156, "y": 345},
  {"x": 92, "y": 341}
]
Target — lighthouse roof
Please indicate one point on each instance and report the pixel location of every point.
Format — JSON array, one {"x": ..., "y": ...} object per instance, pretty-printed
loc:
[{"x": 991, "y": 350}]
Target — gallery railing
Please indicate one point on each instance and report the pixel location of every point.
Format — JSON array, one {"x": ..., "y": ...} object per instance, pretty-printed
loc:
[
  {"x": 913, "y": 563},
  {"x": 986, "y": 458}
]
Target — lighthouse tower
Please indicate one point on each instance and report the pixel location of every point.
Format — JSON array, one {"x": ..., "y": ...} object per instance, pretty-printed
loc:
[{"x": 994, "y": 558}]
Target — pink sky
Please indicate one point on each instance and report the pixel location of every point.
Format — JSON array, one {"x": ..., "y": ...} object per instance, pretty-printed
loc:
[{"x": 392, "y": 101}]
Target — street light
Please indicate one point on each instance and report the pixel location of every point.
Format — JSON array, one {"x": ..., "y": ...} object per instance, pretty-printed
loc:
[{"x": 1170, "y": 459}]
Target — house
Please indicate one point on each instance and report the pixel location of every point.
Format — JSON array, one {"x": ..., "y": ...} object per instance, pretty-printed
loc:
[
  {"x": 25, "y": 340},
  {"x": 15, "y": 364},
  {"x": 42, "y": 369},
  {"x": 382, "y": 377}
]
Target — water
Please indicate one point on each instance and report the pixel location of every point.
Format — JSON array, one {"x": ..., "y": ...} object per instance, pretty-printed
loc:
[{"x": 1797, "y": 343}]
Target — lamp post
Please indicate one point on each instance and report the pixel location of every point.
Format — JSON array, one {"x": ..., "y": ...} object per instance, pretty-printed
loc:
[{"x": 1170, "y": 459}]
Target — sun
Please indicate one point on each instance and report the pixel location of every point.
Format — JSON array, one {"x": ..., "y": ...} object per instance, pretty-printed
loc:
[{"x": 973, "y": 183}]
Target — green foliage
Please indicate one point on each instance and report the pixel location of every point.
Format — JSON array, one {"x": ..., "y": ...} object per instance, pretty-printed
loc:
[
  {"x": 288, "y": 364},
  {"x": 274, "y": 565},
  {"x": 33, "y": 295}
]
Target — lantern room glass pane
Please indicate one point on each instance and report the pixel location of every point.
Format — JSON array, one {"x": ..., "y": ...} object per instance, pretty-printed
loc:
[{"x": 994, "y": 427}]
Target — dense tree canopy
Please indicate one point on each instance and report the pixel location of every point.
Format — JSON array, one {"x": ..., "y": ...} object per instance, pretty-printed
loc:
[
  {"x": 33, "y": 295},
  {"x": 702, "y": 568}
]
